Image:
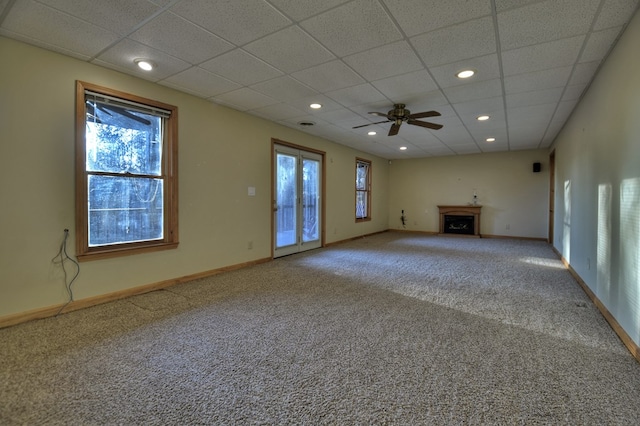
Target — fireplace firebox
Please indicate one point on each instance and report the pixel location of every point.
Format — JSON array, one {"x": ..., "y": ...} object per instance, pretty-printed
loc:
[
  {"x": 454, "y": 224},
  {"x": 460, "y": 220}
]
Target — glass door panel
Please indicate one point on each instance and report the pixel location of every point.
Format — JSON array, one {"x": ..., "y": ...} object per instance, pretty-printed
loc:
[
  {"x": 297, "y": 200},
  {"x": 286, "y": 200},
  {"x": 310, "y": 200}
]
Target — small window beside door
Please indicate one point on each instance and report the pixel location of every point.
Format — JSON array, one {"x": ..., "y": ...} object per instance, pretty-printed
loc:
[{"x": 363, "y": 190}]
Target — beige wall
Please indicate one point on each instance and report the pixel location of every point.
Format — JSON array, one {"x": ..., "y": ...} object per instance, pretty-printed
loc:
[
  {"x": 222, "y": 153},
  {"x": 597, "y": 190},
  {"x": 514, "y": 199}
]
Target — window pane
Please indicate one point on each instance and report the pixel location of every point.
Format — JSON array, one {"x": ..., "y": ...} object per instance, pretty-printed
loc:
[
  {"x": 361, "y": 204},
  {"x": 119, "y": 140},
  {"x": 124, "y": 209},
  {"x": 362, "y": 171}
]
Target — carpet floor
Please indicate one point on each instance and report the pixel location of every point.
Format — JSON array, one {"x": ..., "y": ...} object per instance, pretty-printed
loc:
[{"x": 396, "y": 328}]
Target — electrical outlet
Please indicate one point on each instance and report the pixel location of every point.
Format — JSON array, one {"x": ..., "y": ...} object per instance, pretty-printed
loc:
[{"x": 250, "y": 245}]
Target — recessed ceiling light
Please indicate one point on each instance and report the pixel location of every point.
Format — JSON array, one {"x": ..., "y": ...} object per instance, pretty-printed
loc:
[
  {"x": 145, "y": 64},
  {"x": 483, "y": 118},
  {"x": 372, "y": 133},
  {"x": 465, "y": 73},
  {"x": 306, "y": 123},
  {"x": 403, "y": 148},
  {"x": 491, "y": 139},
  {"x": 315, "y": 106}
]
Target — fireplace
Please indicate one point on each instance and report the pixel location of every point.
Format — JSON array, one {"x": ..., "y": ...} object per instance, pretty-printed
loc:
[
  {"x": 458, "y": 224},
  {"x": 460, "y": 220}
]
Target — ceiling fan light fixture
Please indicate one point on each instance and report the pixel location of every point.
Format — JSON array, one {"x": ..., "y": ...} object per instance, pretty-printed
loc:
[
  {"x": 144, "y": 64},
  {"x": 465, "y": 73},
  {"x": 491, "y": 139},
  {"x": 403, "y": 148},
  {"x": 372, "y": 133},
  {"x": 482, "y": 118},
  {"x": 315, "y": 106}
]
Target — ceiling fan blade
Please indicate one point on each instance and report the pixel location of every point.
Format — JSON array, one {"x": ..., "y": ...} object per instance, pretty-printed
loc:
[
  {"x": 395, "y": 128},
  {"x": 426, "y": 124},
  {"x": 425, "y": 114},
  {"x": 379, "y": 114},
  {"x": 370, "y": 124}
]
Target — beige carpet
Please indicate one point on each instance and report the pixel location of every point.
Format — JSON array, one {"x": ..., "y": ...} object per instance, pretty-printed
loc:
[{"x": 396, "y": 328}]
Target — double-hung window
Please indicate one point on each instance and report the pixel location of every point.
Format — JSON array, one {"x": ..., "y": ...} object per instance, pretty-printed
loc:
[
  {"x": 126, "y": 173},
  {"x": 363, "y": 190}
]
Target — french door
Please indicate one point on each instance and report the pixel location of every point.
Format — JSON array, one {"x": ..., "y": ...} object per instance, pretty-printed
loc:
[{"x": 297, "y": 177}]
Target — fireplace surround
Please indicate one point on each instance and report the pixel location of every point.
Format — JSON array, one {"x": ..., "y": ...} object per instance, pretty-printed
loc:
[{"x": 460, "y": 220}]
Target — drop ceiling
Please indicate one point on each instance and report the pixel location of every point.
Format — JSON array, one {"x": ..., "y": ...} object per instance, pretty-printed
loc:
[{"x": 273, "y": 58}]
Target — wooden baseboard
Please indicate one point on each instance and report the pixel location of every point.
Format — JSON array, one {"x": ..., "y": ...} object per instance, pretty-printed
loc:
[
  {"x": 624, "y": 337},
  {"x": 21, "y": 317},
  {"x": 354, "y": 238},
  {"x": 512, "y": 237}
]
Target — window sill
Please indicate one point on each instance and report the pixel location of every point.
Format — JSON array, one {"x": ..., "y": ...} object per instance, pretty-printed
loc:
[{"x": 97, "y": 254}]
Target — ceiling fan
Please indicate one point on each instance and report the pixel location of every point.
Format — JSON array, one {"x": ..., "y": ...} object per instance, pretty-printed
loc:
[{"x": 400, "y": 114}]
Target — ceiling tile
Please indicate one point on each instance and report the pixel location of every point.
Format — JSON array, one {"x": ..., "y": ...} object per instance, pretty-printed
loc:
[
  {"x": 486, "y": 67},
  {"x": 545, "y": 21},
  {"x": 385, "y": 61},
  {"x": 353, "y": 27},
  {"x": 200, "y": 82},
  {"x": 615, "y": 13},
  {"x": 564, "y": 110},
  {"x": 599, "y": 44},
  {"x": 278, "y": 112},
  {"x": 180, "y": 38},
  {"x": 480, "y": 135},
  {"x": 47, "y": 27},
  {"x": 542, "y": 56},
  {"x": 480, "y": 106},
  {"x": 535, "y": 115},
  {"x": 329, "y": 76},
  {"x": 356, "y": 95},
  {"x": 120, "y": 16},
  {"x": 121, "y": 56},
  {"x": 419, "y": 16},
  {"x": 502, "y": 5},
  {"x": 474, "y": 90},
  {"x": 545, "y": 79},
  {"x": 241, "y": 67},
  {"x": 302, "y": 9},
  {"x": 290, "y": 50},
  {"x": 342, "y": 117},
  {"x": 399, "y": 87},
  {"x": 573, "y": 92},
  {"x": 537, "y": 97},
  {"x": 237, "y": 21},
  {"x": 327, "y": 103},
  {"x": 583, "y": 73},
  {"x": 457, "y": 42},
  {"x": 244, "y": 99},
  {"x": 284, "y": 88}
]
